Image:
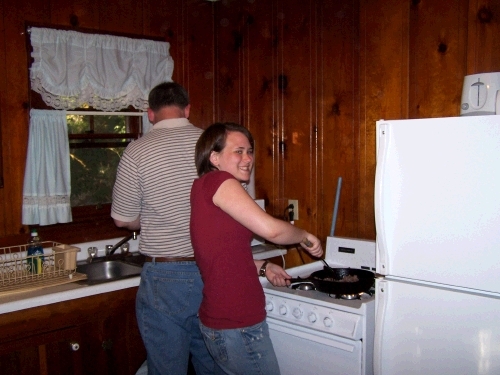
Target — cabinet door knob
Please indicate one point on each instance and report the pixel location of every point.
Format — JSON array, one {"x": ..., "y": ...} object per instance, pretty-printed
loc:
[{"x": 74, "y": 346}]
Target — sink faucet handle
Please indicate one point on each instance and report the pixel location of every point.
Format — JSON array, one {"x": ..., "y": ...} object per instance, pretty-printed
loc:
[
  {"x": 92, "y": 251},
  {"x": 134, "y": 235},
  {"x": 125, "y": 248},
  {"x": 108, "y": 249}
]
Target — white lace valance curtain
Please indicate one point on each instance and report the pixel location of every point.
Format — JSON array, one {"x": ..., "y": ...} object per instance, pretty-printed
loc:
[
  {"x": 107, "y": 72},
  {"x": 47, "y": 187}
]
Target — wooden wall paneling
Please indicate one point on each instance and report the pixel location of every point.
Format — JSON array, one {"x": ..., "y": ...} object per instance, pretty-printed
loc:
[
  {"x": 15, "y": 115},
  {"x": 75, "y": 13},
  {"x": 296, "y": 66},
  {"x": 188, "y": 27},
  {"x": 276, "y": 61},
  {"x": 1, "y": 154},
  {"x": 383, "y": 60},
  {"x": 383, "y": 77},
  {"x": 483, "y": 44},
  {"x": 336, "y": 99},
  {"x": 261, "y": 85},
  {"x": 230, "y": 27},
  {"x": 162, "y": 20},
  {"x": 169, "y": 21},
  {"x": 257, "y": 86},
  {"x": 438, "y": 40},
  {"x": 259, "y": 96},
  {"x": 175, "y": 28},
  {"x": 121, "y": 16},
  {"x": 313, "y": 209},
  {"x": 365, "y": 154},
  {"x": 472, "y": 25},
  {"x": 196, "y": 52},
  {"x": 3, "y": 133},
  {"x": 246, "y": 47},
  {"x": 247, "y": 21}
]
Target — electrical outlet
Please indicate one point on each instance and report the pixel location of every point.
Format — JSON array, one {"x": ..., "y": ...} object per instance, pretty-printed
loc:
[{"x": 295, "y": 203}]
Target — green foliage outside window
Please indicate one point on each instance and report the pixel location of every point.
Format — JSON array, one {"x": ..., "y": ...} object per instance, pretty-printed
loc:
[{"x": 93, "y": 169}]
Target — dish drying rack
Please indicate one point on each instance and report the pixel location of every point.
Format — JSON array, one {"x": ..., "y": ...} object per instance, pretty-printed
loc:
[{"x": 56, "y": 266}]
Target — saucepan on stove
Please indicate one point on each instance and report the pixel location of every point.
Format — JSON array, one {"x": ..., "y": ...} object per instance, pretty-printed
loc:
[{"x": 339, "y": 281}]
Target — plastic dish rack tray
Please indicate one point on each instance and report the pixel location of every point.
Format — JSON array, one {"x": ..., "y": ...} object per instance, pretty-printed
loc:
[{"x": 20, "y": 272}]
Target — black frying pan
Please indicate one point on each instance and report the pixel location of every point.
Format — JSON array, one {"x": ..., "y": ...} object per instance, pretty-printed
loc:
[{"x": 321, "y": 282}]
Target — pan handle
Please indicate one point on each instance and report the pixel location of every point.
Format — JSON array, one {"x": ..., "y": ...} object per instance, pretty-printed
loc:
[{"x": 295, "y": 280}]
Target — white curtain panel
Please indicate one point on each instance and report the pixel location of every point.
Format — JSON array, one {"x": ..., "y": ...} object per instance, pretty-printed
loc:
[
  {"x": 47, "y": 179},
  {"x": 107, "y": 72}
]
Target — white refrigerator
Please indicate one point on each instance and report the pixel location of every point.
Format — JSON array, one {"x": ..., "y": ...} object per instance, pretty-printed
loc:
[{"x": 437, "y": 213}]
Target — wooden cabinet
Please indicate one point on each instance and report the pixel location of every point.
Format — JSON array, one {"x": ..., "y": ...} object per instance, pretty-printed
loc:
[
  {"x": 91, "y": 335},
  {"x": 113, "y": 345},
  {"x": 51, "y": 353}
]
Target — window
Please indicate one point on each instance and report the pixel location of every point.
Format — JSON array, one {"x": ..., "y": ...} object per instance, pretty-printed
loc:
[
  {"x": 86, "y": 88},
  {"x": 96, "y": 145},
  {"x": 96, "y": 142}
]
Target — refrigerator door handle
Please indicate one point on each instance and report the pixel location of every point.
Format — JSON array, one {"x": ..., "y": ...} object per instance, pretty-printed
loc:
[
  {"x": 383, "y": 139},
  {"x": 382, "y": 296}
]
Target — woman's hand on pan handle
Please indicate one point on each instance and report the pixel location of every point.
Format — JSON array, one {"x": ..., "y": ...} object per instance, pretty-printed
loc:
[
  {"x": 277, "y": 275},
  {"x": 313, "y": 245}
]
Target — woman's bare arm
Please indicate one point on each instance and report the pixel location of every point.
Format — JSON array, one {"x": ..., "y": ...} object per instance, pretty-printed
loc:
[{"x": 235, "y": 201}]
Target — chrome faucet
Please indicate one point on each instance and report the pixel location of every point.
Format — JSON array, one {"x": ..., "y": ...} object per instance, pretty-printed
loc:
[{"x": 110, "y": 250}]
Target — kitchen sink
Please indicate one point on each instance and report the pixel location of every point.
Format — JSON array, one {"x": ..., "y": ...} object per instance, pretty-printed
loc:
[{"x": 105, "y": 270}]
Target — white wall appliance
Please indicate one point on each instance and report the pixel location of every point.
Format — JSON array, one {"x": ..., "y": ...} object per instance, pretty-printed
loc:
[
  {"x": 480, "y": 95},
  {"x": 314, "y": 333},
  {"x": 437, "y": 213}
]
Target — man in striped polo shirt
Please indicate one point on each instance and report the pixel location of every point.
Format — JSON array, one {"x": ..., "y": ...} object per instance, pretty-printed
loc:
[{"x": 151, "y": 193}]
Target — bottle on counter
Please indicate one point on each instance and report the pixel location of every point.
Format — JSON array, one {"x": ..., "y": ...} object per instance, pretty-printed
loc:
[{"x": 35, "y": 253}]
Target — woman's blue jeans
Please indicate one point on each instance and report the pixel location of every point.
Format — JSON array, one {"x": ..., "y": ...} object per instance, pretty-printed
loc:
[
  {"x": 242, "y": 351},
  {"x": 167, "y": 304}
]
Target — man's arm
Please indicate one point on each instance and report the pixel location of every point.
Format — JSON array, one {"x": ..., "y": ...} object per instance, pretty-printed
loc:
[{"x": 132, "y": 225}]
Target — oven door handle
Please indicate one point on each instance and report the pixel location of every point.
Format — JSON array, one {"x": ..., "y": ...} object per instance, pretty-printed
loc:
[{"x": 319, "y": 337}]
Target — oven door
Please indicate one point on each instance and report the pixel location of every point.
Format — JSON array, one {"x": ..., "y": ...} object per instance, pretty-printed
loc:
[{"x": 304, "y": 351}]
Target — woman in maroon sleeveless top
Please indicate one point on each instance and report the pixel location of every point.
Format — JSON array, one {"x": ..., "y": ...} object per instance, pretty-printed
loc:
[{"x": 223, "y": 220}]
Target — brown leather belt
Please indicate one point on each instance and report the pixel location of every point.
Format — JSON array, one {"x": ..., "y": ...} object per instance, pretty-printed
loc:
[{"x": 170, "y": 259}]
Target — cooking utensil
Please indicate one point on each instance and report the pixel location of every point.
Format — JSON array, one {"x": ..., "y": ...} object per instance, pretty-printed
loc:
[
  {"x": 323, "y": 283},
  {"x": 306, "y": 242},
  {"x": 327, "y": 266}
]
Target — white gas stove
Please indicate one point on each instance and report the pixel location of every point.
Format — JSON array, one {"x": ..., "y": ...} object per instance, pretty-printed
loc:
[{"x": 313, "y": 332}]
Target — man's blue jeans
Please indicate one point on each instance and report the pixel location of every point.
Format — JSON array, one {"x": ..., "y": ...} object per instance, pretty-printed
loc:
[
  {"x": 167, "y": 306},
  {"x": 242, "y": 351}
]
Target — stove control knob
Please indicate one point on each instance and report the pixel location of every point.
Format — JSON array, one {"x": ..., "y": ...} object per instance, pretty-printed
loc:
[
  {"x": 269, "y": 306},
  {"x": 297, "y": 313},
  {"x": 312, "y": 317},
  {"x": 283, "y": 310},
  {"x": 328, "y": 322}
]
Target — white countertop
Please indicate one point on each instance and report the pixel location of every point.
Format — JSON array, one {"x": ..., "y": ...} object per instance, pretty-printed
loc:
[{"x": 60, "y": 293}]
